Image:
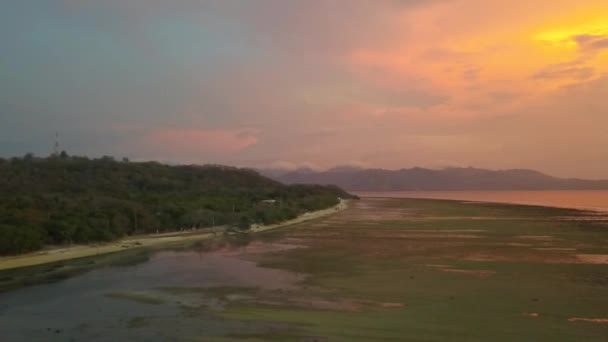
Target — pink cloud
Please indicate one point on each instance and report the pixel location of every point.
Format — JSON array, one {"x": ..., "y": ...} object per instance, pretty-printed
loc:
[{"x": 194, "y": 142}]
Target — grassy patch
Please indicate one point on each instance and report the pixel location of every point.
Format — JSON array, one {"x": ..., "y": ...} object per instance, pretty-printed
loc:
[
  {"x": 138, "y": 297},
  {"x": 137, "y": 322},
  {"x": 215, "y": 291}
]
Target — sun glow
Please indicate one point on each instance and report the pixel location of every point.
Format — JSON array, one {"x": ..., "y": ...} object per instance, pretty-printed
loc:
[{"x": 564, "y": 35}]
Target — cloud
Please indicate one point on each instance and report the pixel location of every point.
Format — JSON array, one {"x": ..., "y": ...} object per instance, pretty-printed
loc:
[
  {"x": 471, "y": 73},
  {"x": 580, "y": 68},
  {"x": 569, "y": 70},
  {"x": 197, "y": 144},
  {"x": 589, "y": 42}
]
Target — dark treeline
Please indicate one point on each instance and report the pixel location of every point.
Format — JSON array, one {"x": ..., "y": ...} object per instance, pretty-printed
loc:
[{"x": 64, "y": 199}]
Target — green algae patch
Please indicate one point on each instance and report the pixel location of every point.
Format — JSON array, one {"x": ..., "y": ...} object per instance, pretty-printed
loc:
[
  {"x": 137, "y": 322},
  {"x": 138, "y": 297}
]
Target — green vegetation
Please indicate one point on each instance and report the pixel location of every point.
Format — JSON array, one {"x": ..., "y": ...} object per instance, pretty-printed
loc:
[
  {"x": 136, "y": 297},
  {"x": 64, "y": 200}
]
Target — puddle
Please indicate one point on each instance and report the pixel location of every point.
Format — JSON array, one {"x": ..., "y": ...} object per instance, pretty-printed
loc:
[
  {"x": 450, "y": 269},
  {"x": 426, "y": 235},
  {"x": 555, "y": 249},
  {"x": 589, "y": 320},
  {"x": 531, "y": 314},
  {"x": 478, "y": 273},
  {"x": 597, "y": 259},
  {"x": 437, "y": 266},
  {"x": 536, "y": 237}
]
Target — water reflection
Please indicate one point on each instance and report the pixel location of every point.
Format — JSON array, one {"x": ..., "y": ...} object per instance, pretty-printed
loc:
[{"x": 110, "y": 299}]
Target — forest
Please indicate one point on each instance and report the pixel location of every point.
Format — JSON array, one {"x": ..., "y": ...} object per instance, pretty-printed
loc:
[{"x": 64, "y": 199}]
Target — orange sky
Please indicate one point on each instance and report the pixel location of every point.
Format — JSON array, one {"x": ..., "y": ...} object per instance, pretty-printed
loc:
[
  {"x": 378, "y": 83},
  {"x": 466, "y": 47}
]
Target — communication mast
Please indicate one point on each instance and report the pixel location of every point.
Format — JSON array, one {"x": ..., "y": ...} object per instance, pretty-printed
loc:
[{"x": 56, "y": 149}]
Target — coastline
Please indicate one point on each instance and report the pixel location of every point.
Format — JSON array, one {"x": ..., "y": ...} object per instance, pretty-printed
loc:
[
  {"x": 582, "y": 200},
  {"x": 144, "y": 241},
  {"x": 303, "y": 218}
]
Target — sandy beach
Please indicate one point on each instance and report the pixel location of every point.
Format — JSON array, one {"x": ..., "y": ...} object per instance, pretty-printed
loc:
[{"x": 143, "y": 241}]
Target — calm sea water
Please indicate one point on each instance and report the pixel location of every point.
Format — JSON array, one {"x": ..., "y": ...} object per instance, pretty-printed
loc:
[{"x": 585, "y": 199}]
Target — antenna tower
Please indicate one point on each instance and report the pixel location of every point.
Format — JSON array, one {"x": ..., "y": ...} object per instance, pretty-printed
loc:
[{"x": 56, "y": 150}]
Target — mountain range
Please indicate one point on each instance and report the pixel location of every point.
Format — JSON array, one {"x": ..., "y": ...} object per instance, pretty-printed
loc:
[{"x": 448, "y": 179}]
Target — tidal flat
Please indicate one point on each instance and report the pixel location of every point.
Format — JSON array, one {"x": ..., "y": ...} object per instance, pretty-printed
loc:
[{"x": 382, "y": 270}]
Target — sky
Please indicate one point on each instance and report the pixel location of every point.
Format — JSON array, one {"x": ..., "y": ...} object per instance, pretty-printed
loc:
[{"x": 310, "y": 83}]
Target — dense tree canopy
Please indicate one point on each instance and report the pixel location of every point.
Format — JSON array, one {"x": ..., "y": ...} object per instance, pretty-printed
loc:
[{"x": 63, "y": 199}]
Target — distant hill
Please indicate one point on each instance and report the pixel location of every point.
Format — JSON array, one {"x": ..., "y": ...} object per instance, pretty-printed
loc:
[
  {"x": 65, "y": 199},
  {"x": 353, "y": 179}
]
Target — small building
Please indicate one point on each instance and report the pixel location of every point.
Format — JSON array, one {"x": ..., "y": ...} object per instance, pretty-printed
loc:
[{"x": 269, "y": 201}]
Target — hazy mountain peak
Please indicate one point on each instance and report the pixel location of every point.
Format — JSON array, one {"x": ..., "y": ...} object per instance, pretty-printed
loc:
[
  {"x": 345, "y": 168},
  {"x": 451, "y": 178}
]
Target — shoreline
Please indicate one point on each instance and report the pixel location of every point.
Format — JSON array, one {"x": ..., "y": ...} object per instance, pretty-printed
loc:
[
  {"x": 145, "y": 241},
  {"x": 496, "y": 197}
]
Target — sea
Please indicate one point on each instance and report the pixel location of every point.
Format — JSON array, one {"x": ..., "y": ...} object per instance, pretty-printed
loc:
[{"x": 596, "y": 200}]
